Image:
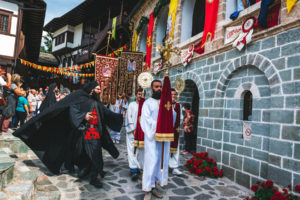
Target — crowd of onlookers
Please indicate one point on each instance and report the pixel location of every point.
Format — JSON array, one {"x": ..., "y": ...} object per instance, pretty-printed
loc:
[{"x": 19, "y": 104}]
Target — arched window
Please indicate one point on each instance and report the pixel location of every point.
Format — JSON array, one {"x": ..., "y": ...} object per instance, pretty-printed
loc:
[
  {"x": 193, "y": 12},
  {"x": 247, "y": 106},
  {"x": 143, "y": 40},
  {"x": 238, "y": 5},
  {"x": 161, "y": 26}
]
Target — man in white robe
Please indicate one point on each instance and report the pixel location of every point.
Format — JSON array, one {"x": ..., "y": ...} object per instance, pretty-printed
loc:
[
  {"x": 152, "y": 148},
  {"x": 174, "y": 161},
  {"x": 135, "y": 161}
]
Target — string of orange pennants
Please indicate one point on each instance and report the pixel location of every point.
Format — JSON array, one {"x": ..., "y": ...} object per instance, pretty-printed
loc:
[{"x": 62, "y": 70}]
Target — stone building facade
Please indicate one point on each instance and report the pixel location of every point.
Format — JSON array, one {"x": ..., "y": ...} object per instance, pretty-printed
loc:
[{"x": 269, "y": 68}]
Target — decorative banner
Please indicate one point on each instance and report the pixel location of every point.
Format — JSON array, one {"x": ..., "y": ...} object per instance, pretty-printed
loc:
[
  {"x": 114, "y": 27},
  {"x": 263, "y": 14},
  {"x": 134, "y": 40},
  {"x": 231, "y": 33},
  {"x": 247, "y": 130},
  {"x": 174, "y": 144},
  {"x": 139, "y": 133},
  {"x": 171, "y": 18},
  {"x": 106, "y": 71},
  {"x": 246, "y": 36},
  {"x": 149, "y": 43},
  {"x": 157, "y": 67},
  {"x": 186, "y": 55},
  {"x": 131, "y": 65},
  {"x": 117, "y": 52},
  {"x": 211, "y": 14},
  {"x": 290, "y": 4},
  {"x": 60, "y": 70}
]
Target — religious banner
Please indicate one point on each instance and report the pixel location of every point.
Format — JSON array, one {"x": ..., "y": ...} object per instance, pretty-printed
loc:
[
  {"x": 139, "y": 133},
  {"x": 131, "y": 65},
  {"x": 290, "y": 4},
  {"x": 245, "y": 36},
  {"x": 171, "y": 18},
  {"x": 149, "y": 42},
  {"x": 186, "y": 55},
  {"x": 211, "y": 14},
  {"x": 247, "y": 130},
  {"x": 106, "y": 72},
  {"x": 231, "y": 33},
  {"x": 262, "y": 21}
]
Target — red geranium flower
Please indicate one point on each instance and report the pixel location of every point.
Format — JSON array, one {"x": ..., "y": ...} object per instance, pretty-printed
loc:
[
  {"x": 215, "y": 169},
  {"x": 269, "y": 183},
  {"x": 285, "y": 191},
  {"x": 216, "y": 173},
  {"x": 254, "y": 188},
  {"x": 208, "y": 169},
  {"x": 297, "y": 188}
]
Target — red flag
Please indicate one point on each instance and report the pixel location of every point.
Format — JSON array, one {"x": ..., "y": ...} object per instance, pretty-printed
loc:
[
  {"x": 174, "y": 144},
  {"x": 164, "y": 127},
  {"x": 139, "y": 134},
  {"x": 211, "y": 15},
  {"x": 149, "y": 42}
]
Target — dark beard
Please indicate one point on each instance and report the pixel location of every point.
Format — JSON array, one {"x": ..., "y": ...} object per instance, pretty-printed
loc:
[
  {"x": 95, "y": 96},
  {"x": 156, "y": 95}
]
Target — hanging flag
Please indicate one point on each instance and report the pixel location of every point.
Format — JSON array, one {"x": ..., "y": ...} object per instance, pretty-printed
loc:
[
  {"x": 149, "y": 42},
  {"x": 114, "y": 26},
  {"x": 134, "y": 40},
  {"x": 262, "y": 21},
  {"x": 290, "y": 4},
  {"x": 211, "y": 15},
  {"x": 171, "y": 18}
]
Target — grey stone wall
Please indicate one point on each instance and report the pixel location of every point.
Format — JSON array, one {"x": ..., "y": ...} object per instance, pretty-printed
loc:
[{"x": 270, "y": 69}]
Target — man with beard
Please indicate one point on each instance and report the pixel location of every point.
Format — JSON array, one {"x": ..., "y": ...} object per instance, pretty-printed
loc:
[
  {"x": 73, "y": 131},
  {"x": 152, "y": 148}
]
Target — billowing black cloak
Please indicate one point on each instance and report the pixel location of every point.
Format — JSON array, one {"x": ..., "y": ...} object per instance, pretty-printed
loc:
[
  {"x": 50, "y": 99},
  {"x": 51, "y": 134}
]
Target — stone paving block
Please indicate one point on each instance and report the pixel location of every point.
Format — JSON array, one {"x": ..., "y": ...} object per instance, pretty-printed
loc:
[{"x": 26, "y": 190}]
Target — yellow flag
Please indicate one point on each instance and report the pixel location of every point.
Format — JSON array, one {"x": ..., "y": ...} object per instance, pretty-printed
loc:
[
  {"x": 290, "y": 4},
  {"x": 171, "y": 18},
  {"x": 134, "y": 40},
  {"x": 114, "y": 27}
]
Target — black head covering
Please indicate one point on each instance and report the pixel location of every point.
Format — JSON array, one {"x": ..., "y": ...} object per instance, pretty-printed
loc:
[
  {"x": 89, "y": 86},
  {"x": 50, "y": 98}
]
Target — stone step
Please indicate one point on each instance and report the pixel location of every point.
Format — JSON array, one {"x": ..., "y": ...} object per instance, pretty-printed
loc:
[
  {"x": 12, "y": 142},
  {"x": 6, "y": 168}
]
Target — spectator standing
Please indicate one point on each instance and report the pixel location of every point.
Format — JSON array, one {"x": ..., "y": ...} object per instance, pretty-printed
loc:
[
  {"x": 188, "y": 126},
  {"x": 22, "y": 110},
  {"x": 32, "y": 103},
  {"x": 3, "y": 83}
]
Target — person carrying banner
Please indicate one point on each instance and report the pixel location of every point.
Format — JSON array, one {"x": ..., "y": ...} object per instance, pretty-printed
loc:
[{"x": 135, "y": 160}]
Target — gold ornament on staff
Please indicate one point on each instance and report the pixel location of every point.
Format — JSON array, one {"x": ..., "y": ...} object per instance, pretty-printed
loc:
[
  {"x": 144, "y": 80},
  {"x": 179, "y": 87},
  {"x": 166, "y": 50}
]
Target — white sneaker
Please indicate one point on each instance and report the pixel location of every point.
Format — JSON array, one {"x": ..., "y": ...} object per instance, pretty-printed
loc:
[{"x": 176, "y": 172}]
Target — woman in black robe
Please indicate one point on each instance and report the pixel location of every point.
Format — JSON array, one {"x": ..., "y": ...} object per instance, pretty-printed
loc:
[
  {"x": 50, "y": 98},
  {"x": 56, "y": 135}
]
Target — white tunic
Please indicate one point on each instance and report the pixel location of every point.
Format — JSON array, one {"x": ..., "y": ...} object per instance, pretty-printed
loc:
[
  {"x": 135, "y": 162},
  {"x": 153, "y": 149},
  {"x": 174, "y": 161}
]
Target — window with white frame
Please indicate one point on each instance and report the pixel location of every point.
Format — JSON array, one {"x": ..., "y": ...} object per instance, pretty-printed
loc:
[
  {"x": 5, "y": 22},
  {"x": 193, "y": 12},
  {"x": 238, "y": 5}
]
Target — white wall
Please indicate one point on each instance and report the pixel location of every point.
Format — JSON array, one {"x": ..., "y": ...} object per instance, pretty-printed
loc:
[
  {"x": 7, "y": 46},
  {"x": 187, "y": 19},
  {"x": 143, "y": 40},
  {"x": 77, "y": 35},
  {"x": 7, "y": 42}
]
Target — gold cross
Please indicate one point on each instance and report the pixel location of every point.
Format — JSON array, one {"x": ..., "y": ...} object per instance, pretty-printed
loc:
[
  {"x": 168, "y": 106},
  {"x": 149, "y": 42}
]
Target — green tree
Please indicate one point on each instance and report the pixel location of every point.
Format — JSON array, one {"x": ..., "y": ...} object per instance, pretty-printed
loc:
[{"x": 48, "y": 39}]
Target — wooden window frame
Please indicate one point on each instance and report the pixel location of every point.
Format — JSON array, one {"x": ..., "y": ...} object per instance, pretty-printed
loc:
[
  {"x": 60, "y": 39},
  {"x": 70, "y": 36},
  {"x": 9, "y": 14}
]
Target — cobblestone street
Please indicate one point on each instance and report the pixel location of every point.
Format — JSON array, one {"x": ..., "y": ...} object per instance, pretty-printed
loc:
[{"x": 117, "y": 184}]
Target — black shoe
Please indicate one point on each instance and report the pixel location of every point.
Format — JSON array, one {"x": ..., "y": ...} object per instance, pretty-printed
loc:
[
  {"x": 102, "y": 174},
  {"x": 96, "y": 183},
  {"x": 134, "y": 176},
  {"x": 83, "y": 173}
]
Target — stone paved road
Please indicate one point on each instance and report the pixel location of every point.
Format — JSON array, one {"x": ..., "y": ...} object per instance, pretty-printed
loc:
[{"x": 117, "y": 184}]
